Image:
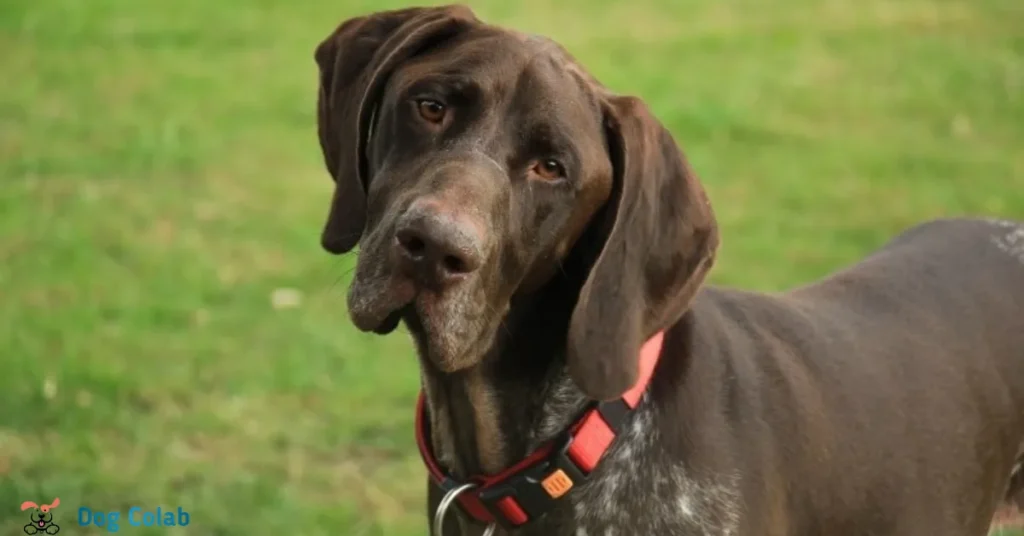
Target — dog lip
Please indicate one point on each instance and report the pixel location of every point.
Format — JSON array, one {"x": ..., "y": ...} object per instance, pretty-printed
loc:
[
  {"x": 390, "y": 322},
  {"x": 377, "y": 319},
  {"x": 373, "y": 309},
  {"x": 378, "y": 308}
]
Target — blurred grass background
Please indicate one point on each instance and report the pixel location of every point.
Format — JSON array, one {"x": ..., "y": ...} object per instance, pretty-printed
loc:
[{"x": 171, "y": 334}]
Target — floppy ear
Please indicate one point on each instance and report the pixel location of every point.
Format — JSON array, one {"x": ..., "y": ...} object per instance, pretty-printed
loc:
[
  {"x": 355, "y": 62},
  {"x": 662, "y": 242}
]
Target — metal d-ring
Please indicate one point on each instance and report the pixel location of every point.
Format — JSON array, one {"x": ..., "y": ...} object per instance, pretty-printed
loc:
[{"x": 446, "y": 502}]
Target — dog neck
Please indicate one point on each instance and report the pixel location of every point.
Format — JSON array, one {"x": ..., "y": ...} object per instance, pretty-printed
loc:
[{"x": 489, "y": 416}]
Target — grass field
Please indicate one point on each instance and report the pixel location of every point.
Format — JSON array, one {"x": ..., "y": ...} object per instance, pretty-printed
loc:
[{"x": 172, "y": 335}]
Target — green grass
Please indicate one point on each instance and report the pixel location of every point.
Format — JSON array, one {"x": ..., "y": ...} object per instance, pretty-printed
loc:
[{"x": 160, "y": 180}]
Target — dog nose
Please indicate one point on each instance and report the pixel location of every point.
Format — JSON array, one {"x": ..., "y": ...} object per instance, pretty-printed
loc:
[{"x": 437, "y": 247}]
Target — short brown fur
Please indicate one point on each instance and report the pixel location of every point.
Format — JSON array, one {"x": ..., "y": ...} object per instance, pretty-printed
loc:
[{"x": 534, "y": 236}]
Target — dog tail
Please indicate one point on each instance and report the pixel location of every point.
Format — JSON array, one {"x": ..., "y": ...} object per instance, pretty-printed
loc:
[{"x": 28, "y": 504}]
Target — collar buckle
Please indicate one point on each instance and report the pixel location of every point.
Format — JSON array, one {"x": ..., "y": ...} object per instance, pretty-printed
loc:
[{"x": 534, "y": 488}]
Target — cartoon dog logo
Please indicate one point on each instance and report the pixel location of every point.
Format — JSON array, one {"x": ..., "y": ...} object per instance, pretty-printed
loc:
[{"x": 41, "y": 517}]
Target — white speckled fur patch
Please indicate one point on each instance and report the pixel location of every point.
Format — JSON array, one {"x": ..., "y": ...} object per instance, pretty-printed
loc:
[
  {"x": 678, "y": 502},
  {"x": 1009, "y": 238}
]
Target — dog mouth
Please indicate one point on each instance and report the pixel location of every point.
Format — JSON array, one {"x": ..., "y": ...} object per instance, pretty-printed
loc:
[
  {"x": 385, "y": 321},
  {"x": 417, "y": 311},
  {"x": 376, "y": 303},
  {"x": 380, "y": 306},
  {"x": 391, "y": 321},
  {"x": 445, "y": 326},
  {"x": 448, "y": 325}
]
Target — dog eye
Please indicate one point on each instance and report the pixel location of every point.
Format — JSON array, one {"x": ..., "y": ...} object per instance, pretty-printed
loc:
[
  {"x": 548, "y": 169},
  {"x": 431, "y": 110}
]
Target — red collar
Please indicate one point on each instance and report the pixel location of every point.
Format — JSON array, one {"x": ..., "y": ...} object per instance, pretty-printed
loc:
[{"x": 531, "y": 487}]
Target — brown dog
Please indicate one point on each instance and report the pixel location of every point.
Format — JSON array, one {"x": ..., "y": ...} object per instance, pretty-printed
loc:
[{"x": 533, "y": 230}]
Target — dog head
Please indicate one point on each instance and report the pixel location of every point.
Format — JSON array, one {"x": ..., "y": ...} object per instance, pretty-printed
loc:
[
  {"x": 469, "y": 161},
  {"x": 41, "y": 515}
]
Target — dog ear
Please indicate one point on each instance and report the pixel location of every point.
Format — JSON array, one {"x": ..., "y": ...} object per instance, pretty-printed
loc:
[
  {"x": 662, "y": 241},
  {"x": 28, "y": 504},
  {"x": 355, "y": 62}
]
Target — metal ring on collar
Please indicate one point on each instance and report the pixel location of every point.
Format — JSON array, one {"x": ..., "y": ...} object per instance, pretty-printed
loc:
[{"x": 446, "y": 502}]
